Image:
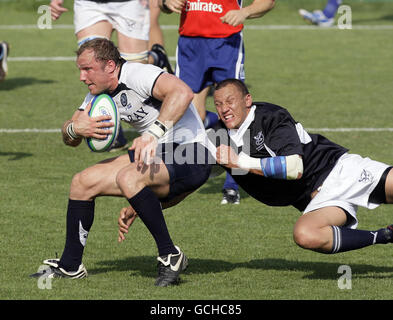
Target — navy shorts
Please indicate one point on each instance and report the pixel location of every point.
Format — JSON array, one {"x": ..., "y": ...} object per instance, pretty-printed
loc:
[
  {"x": 202, "y": 62},
  {"x": 189, "y": 167}
]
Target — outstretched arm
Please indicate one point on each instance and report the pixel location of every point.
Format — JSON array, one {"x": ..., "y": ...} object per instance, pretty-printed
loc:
[{"x": 280, "y": 167}]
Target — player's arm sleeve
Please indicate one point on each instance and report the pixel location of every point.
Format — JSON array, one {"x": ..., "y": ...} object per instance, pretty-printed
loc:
[{"x": 278, "y": 167}]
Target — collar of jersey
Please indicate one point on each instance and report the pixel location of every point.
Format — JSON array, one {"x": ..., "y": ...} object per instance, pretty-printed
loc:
[{"x": 237, "y": 134}]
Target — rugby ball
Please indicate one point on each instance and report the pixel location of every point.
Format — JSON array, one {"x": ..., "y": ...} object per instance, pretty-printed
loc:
[{"x": 103, "y": 105}]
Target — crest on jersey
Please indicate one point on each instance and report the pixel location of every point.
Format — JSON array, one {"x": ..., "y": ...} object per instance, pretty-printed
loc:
[
  {"x": 123, "y": 99},
  {"x": 259, "y": 141},
  {"x": 366, "y": 176}
]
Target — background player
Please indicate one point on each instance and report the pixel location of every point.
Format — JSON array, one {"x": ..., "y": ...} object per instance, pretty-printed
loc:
[
  {"x": 288, "y": 166},
  {"x": 210, "y": 49},
  {"x": 322, "y": 18},
  {"x": 4, "y": 50}
]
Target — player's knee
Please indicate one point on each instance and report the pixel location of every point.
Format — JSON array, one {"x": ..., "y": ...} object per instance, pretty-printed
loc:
[
  {"x": 79, "y": 186},
  {"x": 85, "y": 185},
  {"x": 128, "y": 181},
  {"x": 307, "y": 237}
]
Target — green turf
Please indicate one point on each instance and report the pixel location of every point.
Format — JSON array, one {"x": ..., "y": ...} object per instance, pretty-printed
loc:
[{"x": 326, "y": 78}]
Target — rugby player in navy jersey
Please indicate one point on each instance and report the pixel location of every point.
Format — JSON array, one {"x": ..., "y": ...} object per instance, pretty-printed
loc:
[{"x": 283, "y": 165}]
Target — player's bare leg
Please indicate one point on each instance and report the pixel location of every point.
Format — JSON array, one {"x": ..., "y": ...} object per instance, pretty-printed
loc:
[
  {"x": 324, "y": 231},
  {"x": 389, "y": 187},
  {"x": 313, "y": 230},
  {"x": 199, "y": 102},
  {"x": 101, "y": 29}
]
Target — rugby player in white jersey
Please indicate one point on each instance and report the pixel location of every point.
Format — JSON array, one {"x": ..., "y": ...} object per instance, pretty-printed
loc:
[
  {"x": 165, "y": 163},
  {"x": 139, "y": 35},
  {"x": 284, "y": 165}
]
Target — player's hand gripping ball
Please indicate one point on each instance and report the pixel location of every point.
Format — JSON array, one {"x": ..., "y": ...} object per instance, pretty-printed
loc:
[{"x": 103, "y": 105}]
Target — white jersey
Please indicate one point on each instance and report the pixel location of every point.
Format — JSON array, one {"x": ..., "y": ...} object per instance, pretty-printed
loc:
[{"x": 137, "y": 106}]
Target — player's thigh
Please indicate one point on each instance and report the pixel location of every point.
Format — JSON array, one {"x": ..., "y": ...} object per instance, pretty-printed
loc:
[
  {"x": 99, "y": 179},
  {"x": 102, "y": 28},
  {"x": 389, "y": 187},
  {"x": 132, "y": 179},
  {"x": 199, "y": 102},
  {"x": 131, "y": 45}
]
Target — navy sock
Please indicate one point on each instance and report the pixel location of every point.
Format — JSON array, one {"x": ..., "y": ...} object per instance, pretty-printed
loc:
[
  {"x": 80, "y": 216},
  {"x": 346, "y": 239},
  {"x": 331, "y": 8},
  {"x": 230, "y": 183},
  {"x": 148, "y": 207}
]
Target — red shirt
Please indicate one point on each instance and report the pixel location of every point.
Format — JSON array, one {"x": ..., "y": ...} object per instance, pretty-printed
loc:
[{"x": 201, "y": 18}]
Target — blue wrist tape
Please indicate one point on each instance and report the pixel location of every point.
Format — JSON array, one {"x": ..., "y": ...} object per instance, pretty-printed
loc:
[{"x": 274, "y": 167}]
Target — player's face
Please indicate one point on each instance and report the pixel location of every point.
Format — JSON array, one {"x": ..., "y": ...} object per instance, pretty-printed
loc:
[
  {"x": 232, "y": 106},
  {"x": 94, "y": 73}
]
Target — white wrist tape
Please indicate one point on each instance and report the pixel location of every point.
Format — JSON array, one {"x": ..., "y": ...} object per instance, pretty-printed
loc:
[
  {"x": 157, "y": 129},
  {"x": 70, "y": 131},
  {"x": 246, "y": 162}
]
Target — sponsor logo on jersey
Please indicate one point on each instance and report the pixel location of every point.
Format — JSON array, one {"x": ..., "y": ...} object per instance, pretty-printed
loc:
[{"x": 204, "y": 6}]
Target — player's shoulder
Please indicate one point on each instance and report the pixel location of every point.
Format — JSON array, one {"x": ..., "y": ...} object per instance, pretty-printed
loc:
[
  {"x": 270, "y": 109},
  {"x": 267, "y": 107},
  {"x": 267, "y": 112}
]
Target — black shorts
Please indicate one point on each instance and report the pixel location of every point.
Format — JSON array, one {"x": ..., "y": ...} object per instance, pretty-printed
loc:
[{"x": 189, "y": 166}]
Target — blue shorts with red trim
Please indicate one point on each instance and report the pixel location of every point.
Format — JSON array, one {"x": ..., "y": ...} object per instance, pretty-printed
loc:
[{"x": 202, "y": 62}]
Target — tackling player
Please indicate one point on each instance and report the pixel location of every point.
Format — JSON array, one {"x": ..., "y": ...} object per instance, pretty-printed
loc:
[
  {"x": 285, "y": 165},
  {"x": 164, "y": 165}
]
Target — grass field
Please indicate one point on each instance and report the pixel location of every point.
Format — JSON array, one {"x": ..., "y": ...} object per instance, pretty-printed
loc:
[{"x": 326, "y": 78}]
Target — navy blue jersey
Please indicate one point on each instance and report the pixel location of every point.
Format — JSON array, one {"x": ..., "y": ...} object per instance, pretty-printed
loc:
[{"x": 269, "y": 131}]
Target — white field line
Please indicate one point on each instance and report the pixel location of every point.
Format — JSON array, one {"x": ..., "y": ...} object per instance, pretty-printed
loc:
[
  {"x": 247, "y": 27},
  {"x": 36, "y": 130},
  {"x": 46, "y": 59},
  {"x": 175, "y": 27},
  {"x": 24, "y": 59}
]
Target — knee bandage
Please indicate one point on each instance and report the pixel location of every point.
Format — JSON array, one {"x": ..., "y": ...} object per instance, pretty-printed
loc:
[{"x": 135, "y": 57}]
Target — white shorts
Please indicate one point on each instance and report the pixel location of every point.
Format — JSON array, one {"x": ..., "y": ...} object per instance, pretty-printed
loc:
[
  {"x": 131, "y": 18},
  {"x": 349, "y": 185}
]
